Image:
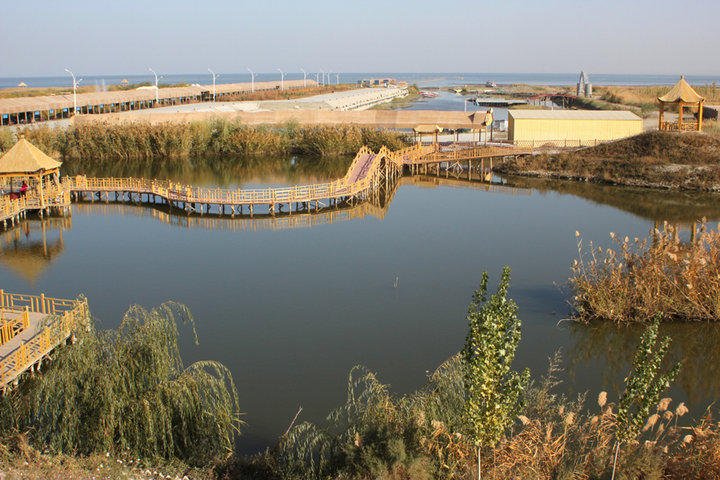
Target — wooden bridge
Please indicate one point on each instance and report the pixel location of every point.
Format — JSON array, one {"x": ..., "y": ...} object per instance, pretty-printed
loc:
[
  {"x": 31, "y": 327},
  {"x": 369, "y": 176}
]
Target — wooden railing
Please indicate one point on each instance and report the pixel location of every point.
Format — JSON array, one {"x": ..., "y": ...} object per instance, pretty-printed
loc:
[
  {"x": 10, "y": 327},
  {"x": 53, "y": 195},
  {"x": 68, "y": 315},
  {"x": 177, "y": 192}
]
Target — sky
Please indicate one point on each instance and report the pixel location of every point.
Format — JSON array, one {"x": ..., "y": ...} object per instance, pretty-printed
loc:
[{"x": 100, "y": 37}]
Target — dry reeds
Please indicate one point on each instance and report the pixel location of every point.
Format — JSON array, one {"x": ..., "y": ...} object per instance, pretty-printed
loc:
[
  {"x": 642, "y": 279},
  {"x": 145, "y": 142}
]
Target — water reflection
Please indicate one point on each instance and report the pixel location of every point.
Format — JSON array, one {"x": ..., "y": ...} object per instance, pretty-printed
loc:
[
  {"x": 695, "y": 345},
  {"x": 677, "y": 207},
  {"x": 29, "y": 248},
  {"x": 232, "y": 171}
]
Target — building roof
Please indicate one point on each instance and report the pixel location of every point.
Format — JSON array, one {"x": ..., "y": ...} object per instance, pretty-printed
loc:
[
  {"x": 681, "y": 92},
  {"x": 573, "y": 114},
  {"x": 24, "y": 157}
]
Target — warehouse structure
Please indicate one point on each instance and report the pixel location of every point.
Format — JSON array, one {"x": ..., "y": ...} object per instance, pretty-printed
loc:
[{"x": 585, "y": 126}]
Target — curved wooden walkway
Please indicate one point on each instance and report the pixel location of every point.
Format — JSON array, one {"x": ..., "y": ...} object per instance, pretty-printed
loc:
[{"x": 369, "y": 175}]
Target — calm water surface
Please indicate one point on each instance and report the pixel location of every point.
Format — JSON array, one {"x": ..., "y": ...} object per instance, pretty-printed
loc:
[{"x": 291, "y": 310}]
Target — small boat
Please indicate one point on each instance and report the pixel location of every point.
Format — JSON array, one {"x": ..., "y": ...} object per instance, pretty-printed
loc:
[
  {"x": 427, "y": 94},
  {"x": 490, "y": 84}
]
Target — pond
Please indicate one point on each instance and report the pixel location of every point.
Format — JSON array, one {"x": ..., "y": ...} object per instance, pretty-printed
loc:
[{"x": 291, "y": 304}]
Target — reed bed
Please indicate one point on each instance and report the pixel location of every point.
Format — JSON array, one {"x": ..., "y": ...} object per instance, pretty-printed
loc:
[
  {"x": 168, "y": 141},
  {"x": 639, "y": 280}
]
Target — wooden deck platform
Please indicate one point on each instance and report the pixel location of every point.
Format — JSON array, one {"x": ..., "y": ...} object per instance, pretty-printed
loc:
[{"x": 51, "y": 321}]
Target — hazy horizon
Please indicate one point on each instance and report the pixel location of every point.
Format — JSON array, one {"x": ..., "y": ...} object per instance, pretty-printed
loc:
[{"x": 43, "y": 38}]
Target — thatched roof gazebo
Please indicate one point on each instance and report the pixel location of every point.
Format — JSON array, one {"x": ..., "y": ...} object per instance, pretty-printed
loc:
[
  {"x": 682, "y": 95},
  {"x": 26, "y": 161},
  {"x": 422, "y": 130}
]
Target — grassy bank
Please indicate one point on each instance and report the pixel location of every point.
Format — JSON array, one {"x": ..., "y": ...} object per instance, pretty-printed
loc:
[
  {"x": 654, "y": 159},
  {"x": 219, "y": 137},
  {"x": 400, "y": 103},
  {"x": 645, "y": 98}
]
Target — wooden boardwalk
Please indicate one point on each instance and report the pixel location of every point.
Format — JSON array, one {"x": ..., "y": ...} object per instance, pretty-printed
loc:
[
  {"x": 53, "y": 197},
  {"x": 39, "y": 324},
  {"x": 369, "y": 174}
]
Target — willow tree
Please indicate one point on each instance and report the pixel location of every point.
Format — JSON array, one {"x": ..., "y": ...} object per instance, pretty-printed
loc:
[
  {"x": 494, "y": 390},
  {"x": 127, "y": 389}
]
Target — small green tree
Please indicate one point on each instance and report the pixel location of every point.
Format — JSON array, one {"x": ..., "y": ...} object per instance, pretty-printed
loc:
[
  {"x": 643, "y": 386},
  {"x": 494, "y": 390}
]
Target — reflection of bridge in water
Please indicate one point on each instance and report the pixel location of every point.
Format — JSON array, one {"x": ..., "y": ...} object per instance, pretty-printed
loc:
[{"x": 377, "y": 208}]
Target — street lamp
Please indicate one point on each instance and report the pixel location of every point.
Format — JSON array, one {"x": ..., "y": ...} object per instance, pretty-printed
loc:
[
  {"x": 317, "y": 78},
  {"x": 337, "y": 79},
  {"x": 75, "y": 84},
  {"x": 156, "y": 84},
  {"x": 252, "y": 79},
  {"x": 213, "y": 74},
  {"x": 304, "y": 77},
  {"x": 323, "y": 77},
  {"x": 282, "y": 79}
]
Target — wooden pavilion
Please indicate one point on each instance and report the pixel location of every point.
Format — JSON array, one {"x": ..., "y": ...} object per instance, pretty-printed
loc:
[
  {"x": 422, "y": 130},
  {"x": 682, "y": 95},
  {"x": 25, "y": 162}
]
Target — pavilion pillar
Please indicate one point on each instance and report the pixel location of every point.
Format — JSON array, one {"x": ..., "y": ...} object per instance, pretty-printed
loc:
[
  {"x": 680, "y": 116},
  {"x": 662, "y": 111},
  {"x": 700, "y": 114}
]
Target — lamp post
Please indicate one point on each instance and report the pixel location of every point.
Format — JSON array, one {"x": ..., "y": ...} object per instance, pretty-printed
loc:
[
  {"x": 75, "y": 83},
  {"x": 337, "y": 79},
  {"x": 304, "y": 77},
  {"x": 317, "y": 78},
  {"x": 156, "y": 84},
  {"x": 213, "y": 74},
  {"x": 252, "y": 80},
  {"x": 323, "y": 77},
  {"x": 282, "y": 79}
]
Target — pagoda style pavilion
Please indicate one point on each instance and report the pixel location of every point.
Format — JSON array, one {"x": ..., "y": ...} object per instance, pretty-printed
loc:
[
  {"x": 682, "y": 95},
  {"x": 24, "y": 162}
]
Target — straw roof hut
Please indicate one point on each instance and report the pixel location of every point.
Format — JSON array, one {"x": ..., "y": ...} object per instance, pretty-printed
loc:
[
  {"x": 22, "y": 84},
  {"x": 25, "y": 161},
  {"x": 684, "y": 96}
]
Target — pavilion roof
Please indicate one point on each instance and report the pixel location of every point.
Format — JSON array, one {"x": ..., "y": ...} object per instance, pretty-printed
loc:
[
  {"x": 24, "y": 157},
  {"x": 681, "y": 92},
  {"x": 428, "y": 129}
]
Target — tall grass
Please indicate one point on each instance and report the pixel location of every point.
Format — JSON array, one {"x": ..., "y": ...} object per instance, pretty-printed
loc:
[
  {"x": 133, "y": 141},
  {"x": 640, "y": 279},
  {"x": 127, "y": 391},
  {"x": 380, "y": 435}
]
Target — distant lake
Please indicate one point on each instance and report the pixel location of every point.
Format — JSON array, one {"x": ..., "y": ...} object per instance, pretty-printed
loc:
[{"x": 291, "y": 304}]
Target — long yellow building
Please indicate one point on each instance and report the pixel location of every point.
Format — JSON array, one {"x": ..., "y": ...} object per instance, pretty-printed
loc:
[{"x": 572, "y": 125}]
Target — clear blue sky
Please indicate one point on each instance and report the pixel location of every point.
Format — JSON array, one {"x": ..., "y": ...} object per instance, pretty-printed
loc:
[{"x": 43, "y": 37}]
